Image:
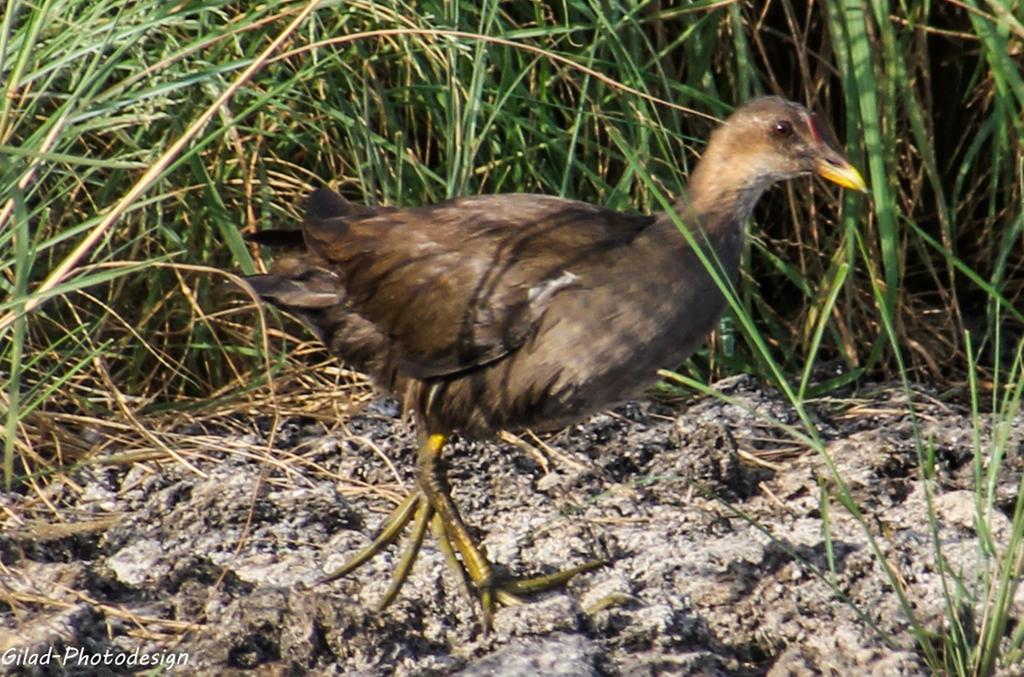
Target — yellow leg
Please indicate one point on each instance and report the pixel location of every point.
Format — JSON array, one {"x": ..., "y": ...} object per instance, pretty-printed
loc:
[
  {"x": 491, "y": 589},
  {"x": 435, "y": 489},
  {"x": 431, "y": 506}
]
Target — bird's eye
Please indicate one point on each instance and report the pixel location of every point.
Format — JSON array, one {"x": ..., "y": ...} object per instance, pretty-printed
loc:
[{"x": 782, "y": 128}]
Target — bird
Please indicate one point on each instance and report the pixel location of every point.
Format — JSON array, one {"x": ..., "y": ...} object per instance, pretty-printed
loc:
[{"x": 500, "y": 312}]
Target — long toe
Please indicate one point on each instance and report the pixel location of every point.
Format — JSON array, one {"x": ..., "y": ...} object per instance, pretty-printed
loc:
[
  {"x": 509, "y": 591},
  {"x": 391, "y": 530}
]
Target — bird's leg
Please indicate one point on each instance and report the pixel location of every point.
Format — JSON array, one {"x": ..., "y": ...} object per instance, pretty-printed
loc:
[
  {"x": 450, "y": 530},
  {"x": 431, "y": 506},
  {"x": 435, "y": 488}
]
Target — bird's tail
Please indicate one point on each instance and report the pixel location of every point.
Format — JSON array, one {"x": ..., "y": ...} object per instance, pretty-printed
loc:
[{"x": 316, "y": 292}]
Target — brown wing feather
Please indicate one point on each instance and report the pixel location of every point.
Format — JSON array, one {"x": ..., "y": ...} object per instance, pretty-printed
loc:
[{"x": 448, "y": 287}]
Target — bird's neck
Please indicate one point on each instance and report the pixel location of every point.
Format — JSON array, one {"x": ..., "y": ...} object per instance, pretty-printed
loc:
[
  {"x": 715, "y": 208},
  {"x": 721, "y": 193},
  {"x": 715, "y": 211}
]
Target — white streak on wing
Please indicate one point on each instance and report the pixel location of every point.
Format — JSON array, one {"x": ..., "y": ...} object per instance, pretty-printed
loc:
[{"x": 543, "y": 292}]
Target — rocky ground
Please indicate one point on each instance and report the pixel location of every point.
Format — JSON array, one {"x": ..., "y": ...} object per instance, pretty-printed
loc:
[{"x": 710, "y": 515}]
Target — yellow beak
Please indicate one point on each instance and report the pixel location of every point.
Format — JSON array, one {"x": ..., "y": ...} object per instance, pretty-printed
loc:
[{"x": 838, "y": 170}]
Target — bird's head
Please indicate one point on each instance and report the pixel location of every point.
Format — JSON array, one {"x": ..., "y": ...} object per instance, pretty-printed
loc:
[
  {"x": 769, "y": 139},
  {"x": 764, "y": 141}
]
